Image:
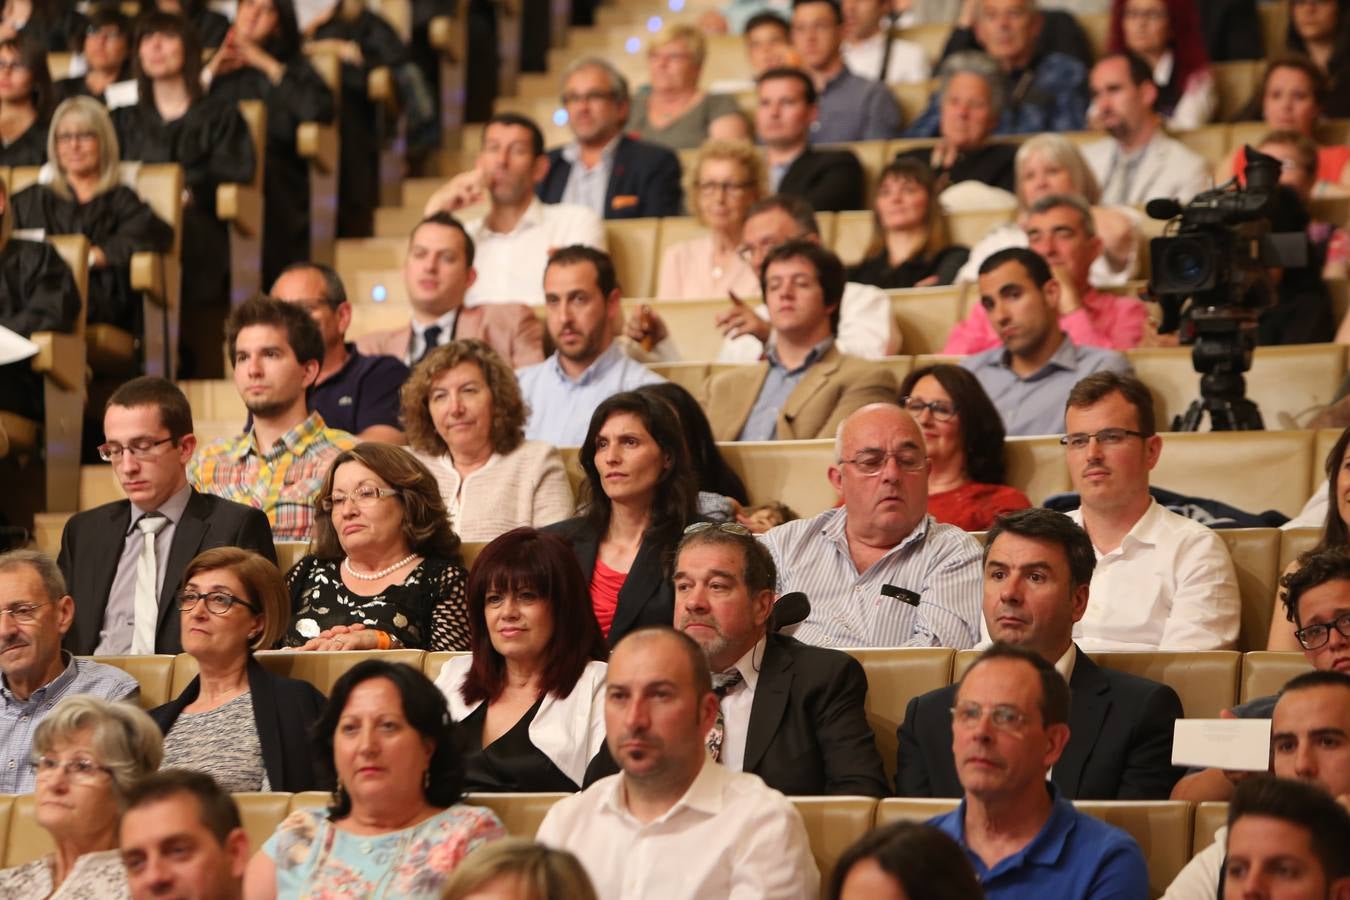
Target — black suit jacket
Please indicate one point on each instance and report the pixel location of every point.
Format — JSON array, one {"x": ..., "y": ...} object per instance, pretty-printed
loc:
[
  {"x": 645, "y": 181},
  {"x": 92, "y": 543},
  {"x": 284, "y": 712},
  {"x": 830, "y": 180},
  {"x": 808, "y": 734},
  {"x": 647, "y": 596},
  {"x": 1120, "y": 740}
]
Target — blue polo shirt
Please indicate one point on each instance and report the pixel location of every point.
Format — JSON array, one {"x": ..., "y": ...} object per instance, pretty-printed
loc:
[
  {"x": 1073, "y": 857},
  {"x": 364, "y": 392}
]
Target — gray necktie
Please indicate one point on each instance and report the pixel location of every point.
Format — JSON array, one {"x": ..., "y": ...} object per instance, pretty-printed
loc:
[{"x": 147, "y": 579}]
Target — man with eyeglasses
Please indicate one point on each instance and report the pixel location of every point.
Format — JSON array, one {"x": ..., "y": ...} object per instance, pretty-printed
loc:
[
  {"x": 804, "y": 387},
  {"x": 513, "y": 239},
  {"x": 355, "y": 392},
  {"x": 865, "y": 328},
  {"x": 279, "y": 463},
  {"x": 35, "y": 612},
  {"x": 124, "y": 560},
  {"x": 1029, "y": 375},
  {"x": 789, "y": 712},
  {"x": 1021, "y": 834},
  {"x": 1316, "y": 599},
  {"x": 1037, "y": 569},
  {"x": 879, "y": 570},
  {"x": 1309, "y": 742},
  {"x": 830, "y": 180},
  {"x": 1163, "y": 581},
  {"x": 851, "y": 108},
  {"x": 616, "y": 176}
]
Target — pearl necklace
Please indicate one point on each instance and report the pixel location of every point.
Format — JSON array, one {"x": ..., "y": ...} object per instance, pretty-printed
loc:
[{"x": 376, "y": 576}]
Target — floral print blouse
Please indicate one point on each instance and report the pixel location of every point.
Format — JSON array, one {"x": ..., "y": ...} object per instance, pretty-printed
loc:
[
  {"x": 426, "y": 612},
  {"x": 317, "y": 860}
]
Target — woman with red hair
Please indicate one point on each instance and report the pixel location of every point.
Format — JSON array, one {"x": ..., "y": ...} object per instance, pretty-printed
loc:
[{"x": 1166, "y": 35}]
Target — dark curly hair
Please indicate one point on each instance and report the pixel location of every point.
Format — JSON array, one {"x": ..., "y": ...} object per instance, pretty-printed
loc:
[
  {"x": 1315, "y": 568},
  {"x": 923, "y": 859},
  {"x": 424, "y": 707},
  {"x": 509, "y": 411},
  {"x": 982, "y": 431},
  {"x": 426, "y": 524}
]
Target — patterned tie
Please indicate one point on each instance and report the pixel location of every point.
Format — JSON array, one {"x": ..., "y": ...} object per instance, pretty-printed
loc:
[
  {"x": 147, "y": 594},
  {"x": 430, "y": 339},
  {"x": 724, "y": 683}
]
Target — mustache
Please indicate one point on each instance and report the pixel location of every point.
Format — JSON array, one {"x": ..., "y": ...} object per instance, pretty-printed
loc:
[{"x": 12, "y": 643}]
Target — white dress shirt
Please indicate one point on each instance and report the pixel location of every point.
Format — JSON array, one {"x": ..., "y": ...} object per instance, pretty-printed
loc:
[
  {"x": 1199, "y": 880},
  {"x": 1170, "y": 585},
  {"x": 511, "y": 266},
  {"x": 729, "y": 837},
  {"x": 908, "y": 63},
  {"x": 1161, "y": 168},
  {"x": 736, "y": 708}
]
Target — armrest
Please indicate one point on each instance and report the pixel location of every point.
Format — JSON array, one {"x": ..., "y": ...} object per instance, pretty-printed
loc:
[
  {"x": 60, "y": 357},
  {"x": 241, "y": 205},
  {"x": 441, "y": 34},
  {"x": 147, "y": 276},
  {"x": 319, "y": 144},
  {"x": 382, "y": 90}
]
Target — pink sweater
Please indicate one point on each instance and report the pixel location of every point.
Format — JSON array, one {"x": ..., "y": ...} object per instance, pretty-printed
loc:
[{"x": 1104, "y": 320}]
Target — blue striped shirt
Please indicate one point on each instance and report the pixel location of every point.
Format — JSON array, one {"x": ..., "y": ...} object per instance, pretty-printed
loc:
[
  {"x": 940, "y": 563},
  {"x": 20, "y": 718}
]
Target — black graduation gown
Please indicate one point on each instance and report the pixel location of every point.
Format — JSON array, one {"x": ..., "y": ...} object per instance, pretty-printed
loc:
[
  {"x": 212, "y": 144},
  {"x": 37, "y": 293},
  {"x": 359, "y": 178},
  {"x": 301, "y": 96},
  {"x": 29, "y": 148},
  {"x": 120, "y": 223},
  {"x": 77, "y": 87},
  {"x": 211, "y": 27}
]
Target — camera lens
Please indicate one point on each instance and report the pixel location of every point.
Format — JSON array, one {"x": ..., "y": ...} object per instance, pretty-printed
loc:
[{"x": 1188, "y": 263}]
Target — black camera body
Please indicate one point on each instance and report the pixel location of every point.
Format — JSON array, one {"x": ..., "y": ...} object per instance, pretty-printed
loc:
[{"x": 1218, "y": 259}]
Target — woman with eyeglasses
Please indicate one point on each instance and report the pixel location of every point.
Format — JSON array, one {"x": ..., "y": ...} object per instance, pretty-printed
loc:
[
  {"x": 723, "y": 182},
  {"x": 1166, "y": 35},
  {"x": 384, "y": 569},
  {"x": 671, "y": 110},
  {"x": 86, "y": 196},
  {"x": 245, "y": 727},
  {"x": 964, "y": 436},
  {"x": 87, "y": 754},
  {"x": 26, "y": 97}
]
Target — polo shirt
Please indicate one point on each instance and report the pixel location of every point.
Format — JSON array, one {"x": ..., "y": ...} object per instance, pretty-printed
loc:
[{"x": 364, "y": 392}]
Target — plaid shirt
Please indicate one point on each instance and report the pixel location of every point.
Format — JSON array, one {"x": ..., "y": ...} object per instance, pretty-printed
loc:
[
  {"x": 282, "y": 482},
  {"x": 20, "y": 718}
]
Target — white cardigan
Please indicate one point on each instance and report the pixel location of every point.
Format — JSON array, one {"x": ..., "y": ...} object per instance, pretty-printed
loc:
[
  {"x": 527, "y": 486},
  {"x": 569, "y": 732}
]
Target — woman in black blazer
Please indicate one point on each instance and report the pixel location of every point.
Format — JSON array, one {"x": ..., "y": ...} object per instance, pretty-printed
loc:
[
  {"x": 244, "y": 726},
  {"x": 639, "y": 495}
]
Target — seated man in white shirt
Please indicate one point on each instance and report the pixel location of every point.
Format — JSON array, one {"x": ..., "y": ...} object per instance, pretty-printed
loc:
[
  {"x": 519, "y": 231},
  {"x": 1138, "y": 162},
  {"x": 867, "y": 23},
  {"x": 673, "y": 823},
  {"x": 1163, "y": 582},
  {"x": 865, "y": 320}
]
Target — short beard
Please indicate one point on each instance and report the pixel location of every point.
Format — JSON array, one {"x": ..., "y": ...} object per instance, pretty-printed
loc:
[{"x": 267, "y": 409}]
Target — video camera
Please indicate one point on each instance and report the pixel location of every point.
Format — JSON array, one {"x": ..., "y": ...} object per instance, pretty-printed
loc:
[{"x": 1219, "y": 259}]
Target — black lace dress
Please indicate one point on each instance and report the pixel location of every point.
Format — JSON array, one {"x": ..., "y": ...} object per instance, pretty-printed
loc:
[{"x": 426, "y": 612}]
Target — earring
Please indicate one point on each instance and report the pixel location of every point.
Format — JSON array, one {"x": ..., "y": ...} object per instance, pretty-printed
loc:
[
  {"x": 339, "y": 794},
  {"x": 426, "y": 779}
]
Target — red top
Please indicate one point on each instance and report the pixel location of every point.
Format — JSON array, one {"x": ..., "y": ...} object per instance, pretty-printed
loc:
[
  {"x": 605, "y": 587},
  {"x": 972, "y": 506},
  {"x": 1331, "y": 162}
]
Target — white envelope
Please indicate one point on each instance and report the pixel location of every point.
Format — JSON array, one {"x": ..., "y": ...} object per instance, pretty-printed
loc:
[{"x": 1241, "y": 745}]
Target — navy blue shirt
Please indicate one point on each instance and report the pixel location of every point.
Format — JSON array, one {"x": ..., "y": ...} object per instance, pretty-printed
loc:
[
  {"x": 1074, "y": 856},
  {"x": 364, "y": 392}
]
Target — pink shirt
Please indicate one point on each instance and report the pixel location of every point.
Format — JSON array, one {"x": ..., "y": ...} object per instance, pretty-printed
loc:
[
  {"x": 1104, "y": 320},
  {"x": 687, "y": 273}
]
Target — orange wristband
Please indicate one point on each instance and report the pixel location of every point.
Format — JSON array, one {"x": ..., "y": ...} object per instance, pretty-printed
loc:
[{"x": 383, "y": 642}]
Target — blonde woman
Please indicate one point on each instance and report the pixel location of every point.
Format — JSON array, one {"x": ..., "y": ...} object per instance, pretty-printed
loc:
[
  {"x": 85, "y": 195},
  {"x": 671, "y": 110},
  {"x": 725, "y": 179},
  {"x": 910, "y": 246},
  {"x": 88, "y": 753},
  {"x": 519, "y": 869}
]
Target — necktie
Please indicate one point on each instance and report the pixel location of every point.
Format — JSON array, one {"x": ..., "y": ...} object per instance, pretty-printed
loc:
[
  {"x": 724, "y": 683},
  {"x": 430, "y": 339},
  {"x": 147, "y": 594}
]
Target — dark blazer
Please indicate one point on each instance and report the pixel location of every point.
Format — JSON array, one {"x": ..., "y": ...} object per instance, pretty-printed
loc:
[
  {"x": 647, "y": 596},
  {"x": 830, "y": 180},
  {"x": 284, "y": 711},
  {"x": 1120, "y": 740},
  {"x": 808, "y": 734},
  {"x": 645, "y": 181},
  {"x": 92, "y": 543}
]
